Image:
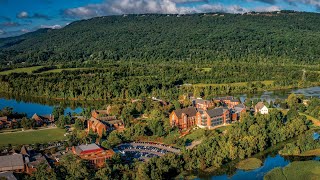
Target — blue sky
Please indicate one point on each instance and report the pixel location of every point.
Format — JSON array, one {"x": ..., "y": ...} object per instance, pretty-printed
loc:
[{"x": 21, "y": 16}]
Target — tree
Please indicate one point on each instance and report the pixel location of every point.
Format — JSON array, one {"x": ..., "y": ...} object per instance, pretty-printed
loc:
[
  {"x": 57, "y": 112},
  {"x": 71, "y": 167},
  {"x": 44, "y": 172}
]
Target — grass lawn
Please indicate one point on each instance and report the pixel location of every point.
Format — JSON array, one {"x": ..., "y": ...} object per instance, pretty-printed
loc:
[
  {"x": 249, "y": 164},
  {"x": 32, "y": 137},
  {"x": 233, "y": 84},
  {"x": 21, "y": 70},
  {"x": 195, "y": 134},
  {"x": 315, "y": 121},
  {"x": 314, "y": 152},
  {"x": 206, "y": 69},
  {"x": 296, "y": 171},
  {"x": 67, "y": 69}
]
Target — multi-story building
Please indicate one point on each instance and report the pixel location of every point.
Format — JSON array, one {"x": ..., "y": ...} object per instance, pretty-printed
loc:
[
  {"x": 103, "y": 124},
  {"x": 229, "y": 101},
  {"x": 213, "y": 118},
  {"x": 183, "y": 118},
  {"x": 202, "y": 104}
]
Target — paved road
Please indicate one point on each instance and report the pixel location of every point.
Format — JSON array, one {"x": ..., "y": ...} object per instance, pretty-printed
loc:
[
  {"x": 168, "y": 148},
  {"x": 28, "y": 130}
]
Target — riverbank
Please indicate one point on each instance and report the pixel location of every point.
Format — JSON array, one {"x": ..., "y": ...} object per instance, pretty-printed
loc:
[{"x": 296, "y": 171}]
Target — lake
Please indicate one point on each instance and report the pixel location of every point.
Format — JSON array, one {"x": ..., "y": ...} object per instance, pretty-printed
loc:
[{"x": 41, "y": 106}]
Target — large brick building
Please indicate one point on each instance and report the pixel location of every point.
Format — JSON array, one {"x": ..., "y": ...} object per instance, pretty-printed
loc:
[
  {"x": 100, "y": 123},
  {"x": 202, "y": 104},
  {"x": 96, "y": 155},
  {"x": 183, "y": 118},
  {"x": 229, "y": 101},
  {"x": 213, "y": 118}
]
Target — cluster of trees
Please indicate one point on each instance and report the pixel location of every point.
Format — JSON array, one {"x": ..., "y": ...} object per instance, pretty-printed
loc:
[
  {"x": 304, "y": 143},
  {"x": 313, "y": 108},
  {"x": 198, "y": 37},
  {"x": 126, "y": 81}
]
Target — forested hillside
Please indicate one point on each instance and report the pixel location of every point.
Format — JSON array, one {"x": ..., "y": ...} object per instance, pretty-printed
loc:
[{"x": 284, "y": 37}]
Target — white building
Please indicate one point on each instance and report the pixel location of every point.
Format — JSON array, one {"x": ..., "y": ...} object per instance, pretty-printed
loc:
[{"x": 261, "y": 108}]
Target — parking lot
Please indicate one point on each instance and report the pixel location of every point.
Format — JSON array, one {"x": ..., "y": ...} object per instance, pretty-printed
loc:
[{"x": 145, "y": 150}]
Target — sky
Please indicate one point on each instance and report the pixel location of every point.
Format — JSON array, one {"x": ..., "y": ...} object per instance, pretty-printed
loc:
[{"x": 22, "y": 16}]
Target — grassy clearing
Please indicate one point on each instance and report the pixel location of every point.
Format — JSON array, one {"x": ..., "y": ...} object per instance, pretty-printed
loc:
[
  {"x": 21, "y": 70},
  {"x": 296, "y": 171},
  {"x": 32, "y": 137},
  {"x": 195, "y": 135},
  {"x": 233, "y": 84},
  {"x": 249, "y": 164},
  {"x": 315, "y": 121},
  {"x": 66, "y": 69},
  {"x": 314, "y": 152}
]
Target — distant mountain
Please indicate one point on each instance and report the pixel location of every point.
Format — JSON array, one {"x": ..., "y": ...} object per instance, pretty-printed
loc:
[{"x": 272, "y": 37}]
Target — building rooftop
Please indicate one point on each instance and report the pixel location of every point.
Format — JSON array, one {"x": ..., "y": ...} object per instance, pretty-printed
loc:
[
  {"x": 216, "y": 112},
  {"x": 88, "y": 147},
  {"x": 13, "y": 161},
  {"x": 191, "y": 111},
  {"x": 259, "y": 105}
]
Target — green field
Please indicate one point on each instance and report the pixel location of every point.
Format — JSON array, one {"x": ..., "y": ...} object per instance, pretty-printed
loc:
[
  {"x": 21, "y": 70},
  {"x": 296, "y": 171},
  {"x": 249, "y": 164},
  {"x": 66, "y": 69},
  {"x": 32, "y": 137},
  {"x": 234, "y": 84}
]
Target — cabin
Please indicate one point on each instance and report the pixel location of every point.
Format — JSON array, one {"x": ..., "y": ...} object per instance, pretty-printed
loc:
[
  {"x": 213, "y": 118},
  {"x": 183, "y": 118},
  {"x": 93, "y": 153},
  {"x": 261, "y": 108}
]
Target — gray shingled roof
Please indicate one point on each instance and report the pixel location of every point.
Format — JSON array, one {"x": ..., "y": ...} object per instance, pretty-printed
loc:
[
  {"x": 15, "y": 160},
  {"x": 191, "y": 111},
  {"x": 215, "y": 112},
  {"x": 87, "y": 147}
]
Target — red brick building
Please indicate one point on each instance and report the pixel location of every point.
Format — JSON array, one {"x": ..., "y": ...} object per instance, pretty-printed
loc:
[
  {"x": 213, "y": 118},
  {"x": 104, "y": 124},
  {"x": 202, "y": 104},
  {"x": 230, "y": 101},
  {"x": 96, "y": 155},
  {"x": 183, "y": 118}
]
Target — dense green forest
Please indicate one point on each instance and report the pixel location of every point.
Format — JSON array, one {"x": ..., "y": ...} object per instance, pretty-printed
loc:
[
  {"x": 266, "y": 37},
  {"x": 165, "y": 80}
]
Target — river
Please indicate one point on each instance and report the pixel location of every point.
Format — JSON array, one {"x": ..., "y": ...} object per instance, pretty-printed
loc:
[{"x": 41, "y": 106}]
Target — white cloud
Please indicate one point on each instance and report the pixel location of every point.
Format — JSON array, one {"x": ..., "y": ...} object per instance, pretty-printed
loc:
[
  {"x": 2, "y": 32},
  {"x": 57, "y": 26},
  {"x": 23, "y": 14},
  {"x": 115, "y": 7},
  {"x": 25, "y": 30}
]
